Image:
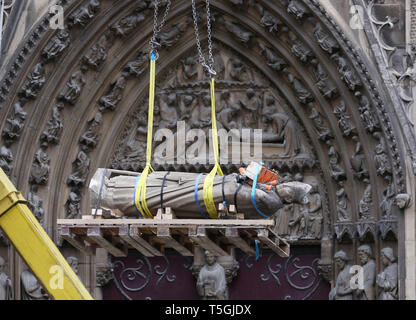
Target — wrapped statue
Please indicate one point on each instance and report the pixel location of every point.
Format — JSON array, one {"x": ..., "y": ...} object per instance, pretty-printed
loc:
[{"x": 183, "y": 192}]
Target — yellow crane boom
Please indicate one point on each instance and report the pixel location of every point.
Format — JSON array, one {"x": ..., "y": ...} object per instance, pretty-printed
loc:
[{"x": 35, "y": 247}]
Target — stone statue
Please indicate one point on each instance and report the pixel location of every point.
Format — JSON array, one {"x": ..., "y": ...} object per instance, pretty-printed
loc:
[
  {"x": 137, "y": 66},
  {"x": 358, "y": 164},
  {"x": 179, "y": 193},
  {"x": 31, "y": 288},
  {"x": 229, "y": 112},
  {"x": 272, "y": 59},
  {"x": 298, "y": 9},
  {"x": 335, "y": 169},
  {"x": 347, "y": 74},
  {"x": 325, "y": 40},
  {"x": 342, "y": 206},
  {"x": 89, "y": 138},
  {"x": 127, "y": 24},
  {"x": 253, "y": 105},
  {"x": 56, "y": 46},
  {"x": 238, "y": 70},
  {"x": 73, "y": 263},
  {"x": 14, "y": 124},
  {"x": 324, "y": 133},
  {"x": 381, "y": 159},
  {"x": 323, "y": 81},
  {"x": 169, "y": 37},
  {"x": 302, "y": 94},
  {"x": 34, "y": 82},
  {"x": 6, "y": 160},
  {"x": 136, "y": 146},
  {"x": 168, "y": 111},
  {"x": 344, "y": 121},
  {"x": 54, "y": 127},
  {"x": 211, "y": 283},
  {"x": 402, "y": 200},
  {"x": 81, "y": 168},
  {"x": 369, "y": 268},
  {"x": 6, "y": 287},
  {"x": 366, "y": 203},
  {"x": 314, "y": 217},
  {"x": 299, "y": 49},
  {"x": 387, "y": 281},
  {"x": 84, "y": 14},
  {"x": 342, "y": 290},
  {"x": 269, "y": 21},
  {"x": 73, "y": 205},
  {"x": 96, "y": 55},
  {"x": 386, "y": 204},
  {"x": 189, "y": 69},
  {"x": 238, "y": 31},
  {"x": 370, "y": 120},
  {"x": 73, "y": 88},
  {"x": 40, "y": 167},
  {"x": 35, "y": 204},
  {"x": 115, "y": 94}
]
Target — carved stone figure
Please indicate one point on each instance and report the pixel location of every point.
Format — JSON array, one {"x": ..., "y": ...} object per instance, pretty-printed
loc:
[
  {"x": 229, "y": 112},
  {"x": 344, "y": 121},
  {"x": 35, "y": 204},
  {"x": 238, "y": 71},
  {"x": 237, "y": 30},
  {"x": 387, "y": 280},
  {"x": 386, "y": 205},
  {"x": 298, "y": 223},
  {"x": 302, "y": 94},
  {"x": 14, "y": 124},
  {"x": 136, "y": 146},
  {"x": 34, "y": 82},
  {"x": 299, "y": 49},
  {"x": 211, "y": 283},
  {"x": 402, "y": 200},
  {"x": 273, "y": 60},
  {"x": 73, "y": 88},
  {"x": 269, "y": 21},
  {"x": 84, "y": 14},
  {"x": 169, "y": 37},
  {"x": 325, "y": 40},
  {"x": 382, "y": 162},
  {"x": 81, "y": 167},
  {"x": 89, "y": 138},
  {"x": 137, "y": 66},
  {"x": 6, "y": 160},
  {"x": 343, "y": 213},
  {"x": 73, "y": 263},
  {"x": 366, "y": 204},
  {"x": 335, "y": 169},
  {"x": 104, "y": 273},
  {"x": 324, "y": 133},
  {"x": 73, "y": 205},
  {"x": 31, "y": 288},
  {"x": 127, "y": 24},
  {"x": 54, "y": 127},
  {"x": 6, "y": 286},
  {"x": 342, "y": 290},
  {"x": 298, "y": 9},
  {"x": 347, "y": 74},
  {"x": 96, "y": 55},
  {"x": 168, "y": 111},
  {"x": 323, "y": 81},
  {"x": 284, "y": 129},
  {"x": 40, "y": 167},
  {"x": 189, "y": 69},
  {"x": 56, "y": 45},
  {"x": 369, "y": 268},
  {"x": 118, "y": 193},
  {"x": 314, "y": 217},
  {"x": 371, "y": 122},
  {"x": 252, "y": 105},
  {"x": 358, "y": 164},
  {"x": 115, "y": 94}
]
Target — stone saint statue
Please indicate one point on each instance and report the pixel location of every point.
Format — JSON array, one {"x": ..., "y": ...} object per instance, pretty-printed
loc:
[
  {"x": 31, "y": 288},
  {"x": 342, "y": 290},
  {"x": 369, "y": 268},
  {"x": 211, "y": 283},
  {"x": 387, "y": 281},
  {"x": 118, "y": 192},
  {"x": 6, "y": 289}
]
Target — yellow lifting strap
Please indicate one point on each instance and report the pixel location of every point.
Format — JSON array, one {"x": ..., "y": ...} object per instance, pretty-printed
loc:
[
  {"x": 140, "y": 193},
  {"x": 35, "y": 247},
  {"x": 209, "y": 180}
]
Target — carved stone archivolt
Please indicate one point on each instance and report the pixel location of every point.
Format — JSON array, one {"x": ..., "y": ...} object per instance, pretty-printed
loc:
[{"x": 285, "y": 68}]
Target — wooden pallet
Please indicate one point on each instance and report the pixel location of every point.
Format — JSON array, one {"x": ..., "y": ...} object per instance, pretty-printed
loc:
[{"x": 151, "y": 236}]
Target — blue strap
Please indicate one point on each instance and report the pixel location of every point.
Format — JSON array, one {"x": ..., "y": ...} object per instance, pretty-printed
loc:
[
  {"x": 256, "y": 242},
  {"x": 253, "y": 192},
  {"x": 162, "y": 188},
  {"x": 100, "y": 193},
  {"x": 134, "y": 201},
  {"x": 196, "y": 196}
]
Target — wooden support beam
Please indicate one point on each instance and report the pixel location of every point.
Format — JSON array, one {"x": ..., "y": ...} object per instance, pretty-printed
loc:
[
  {"x": 233, "y": 236},
  {"x": 95, "y": 234},
  {"x": 278, "y": 245},
  {"x": 123, "y": 233},
  {"x": 164, "y": 234},
  {"x": 134, "y": 233},
  {"x": 199, "y": 235},
  {"x": 76, "y": 242}
]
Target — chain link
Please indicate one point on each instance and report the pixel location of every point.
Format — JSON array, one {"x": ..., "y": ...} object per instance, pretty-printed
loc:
[
  {"x": 209, "y": 67},
  {"x": 156, "y": 29}
]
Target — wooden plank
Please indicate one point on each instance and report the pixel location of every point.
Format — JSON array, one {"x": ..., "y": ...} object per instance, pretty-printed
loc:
[
  {"x": 185, "y": 222},
  {"x": 76, "y": 242},
  {"x": 134, "y": 233},
  {"x": 96, "y": 235},
  {"x": 199, "y": 235},
  {"x": 283, "y": 250},
  {"x": 163, "y": 233},
  {"x": 233, "y": 236},
  {"x": 124, "y": 234}
]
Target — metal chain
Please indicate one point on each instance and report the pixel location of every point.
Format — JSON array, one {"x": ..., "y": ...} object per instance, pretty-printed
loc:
[
  {"x": 202, "y": 61},
  {"x": 156, "y": 29}
]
